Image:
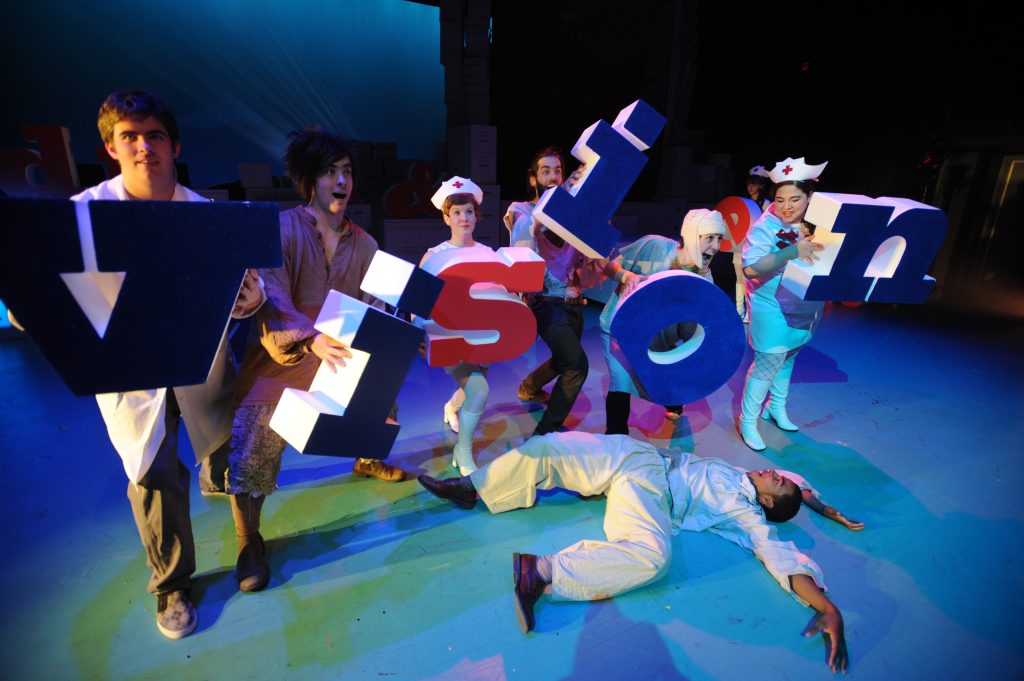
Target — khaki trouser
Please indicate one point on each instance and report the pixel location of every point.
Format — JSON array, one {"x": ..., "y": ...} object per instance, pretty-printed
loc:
[
  {"x": 637, "y": 521},
  {"x": 160, "y": 504}
]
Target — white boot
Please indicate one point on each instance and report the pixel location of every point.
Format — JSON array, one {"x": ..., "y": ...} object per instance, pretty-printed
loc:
[
  {"x": 775, "y": 410},
  {"x": 754, "y": 391},
  {"x": 462, "y": 455},
  {"x": 451, "y": 409}
]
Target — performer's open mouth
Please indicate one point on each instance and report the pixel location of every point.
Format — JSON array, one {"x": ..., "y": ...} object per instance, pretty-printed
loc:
[{"x": 341, "y": 196}]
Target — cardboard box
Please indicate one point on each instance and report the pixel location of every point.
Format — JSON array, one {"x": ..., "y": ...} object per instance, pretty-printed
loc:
[
  {"x": 480, "y": 138},
  {"x": 213, "y": 194},
  {"x": 476, "y": 67},
  {"x": 271, "y": 194},
  {"x": 373, "y": 167},
  {"x": 478, "y": 109},
  {"x": 255, "y": 175},
  {"x": 674, "y": 187},
  {"x": 451, "y": 53},
  {"x": 720, "y": 160},
  {"x": 479, "y": 9},
  {"x": 478, "y": 26},
  {"x": 385, "y": 150},
  {"x": 397, "y": 169},
  {"x": 452, "y": 31},
  {"x": 451, "y": 10},
  {"x": 454, "y": 75},
  {"x": 410, "y": 239},
  {"x": 679, "y": 171},
  {"x": 677, "y": 155},
  {"x": 472, "y": 152},
  {"x": 360, "y": 213}
]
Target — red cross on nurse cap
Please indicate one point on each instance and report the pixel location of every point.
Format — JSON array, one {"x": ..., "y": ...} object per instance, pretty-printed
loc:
[
  {"x": 794, "y": 170},
  {"x": 456, "y": 185}
]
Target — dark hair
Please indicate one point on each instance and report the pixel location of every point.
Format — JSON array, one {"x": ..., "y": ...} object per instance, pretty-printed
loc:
[
  {"x": 458, "y": 200},
  {"x": 806, "y": 186},
  {"x": 786, "y": 505},
  {"x": 311, "y": 153},
  {"x": 760, "y": 180},
  {"x": 136, "y": 105},
  {"x": 546, "y": 151}
]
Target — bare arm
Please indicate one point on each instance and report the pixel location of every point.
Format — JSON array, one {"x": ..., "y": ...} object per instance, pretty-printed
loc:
[
  {"x": 627, "y": 279},
  {"x": 805, "y": 249},
  {"x": 815, "y": 504},
  {"x": 828, "y": 620}
]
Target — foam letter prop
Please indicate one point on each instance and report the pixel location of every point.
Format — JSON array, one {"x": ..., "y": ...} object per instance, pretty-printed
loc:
[
  {"x": 614, "y": 157},
  {"x": 875, "y": 249},
  {"x": 739, "y": 214},
  {"x": 477, "y": 319},
  {"x": 345, "y": 413},
  {"x": 695, "y": 368},
  {"x": 129, "y": 295}
]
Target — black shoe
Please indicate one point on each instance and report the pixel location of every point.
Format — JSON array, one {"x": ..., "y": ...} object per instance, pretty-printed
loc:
[
  {"x": 538, "y": 431},
  {"x": 529, "y": 588},
  {"x": 252, "y": 570},
  {"x": 459, "y": 491}
]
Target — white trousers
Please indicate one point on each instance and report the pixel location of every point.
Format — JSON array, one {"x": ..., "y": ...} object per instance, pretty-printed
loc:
[{"x": 637, "y": 520}]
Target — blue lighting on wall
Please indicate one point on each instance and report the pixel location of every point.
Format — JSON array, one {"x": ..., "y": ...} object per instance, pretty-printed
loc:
[{"x": 238, "y": 75}]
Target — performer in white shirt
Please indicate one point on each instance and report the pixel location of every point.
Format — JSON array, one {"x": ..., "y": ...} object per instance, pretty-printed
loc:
[
  {"x": 141, "y": 134},
  {"x": 651, "y": 494}
]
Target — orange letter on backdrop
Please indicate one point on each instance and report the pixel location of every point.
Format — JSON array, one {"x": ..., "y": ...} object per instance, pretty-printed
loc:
[{"x": 739, "y": 214}]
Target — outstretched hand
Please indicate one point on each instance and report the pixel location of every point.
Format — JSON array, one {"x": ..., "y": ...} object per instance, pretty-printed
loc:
[
  {"x": 851, "y": 524},
  {"x": 330, "y": 351},
  {"x": 830, "y": 624}
]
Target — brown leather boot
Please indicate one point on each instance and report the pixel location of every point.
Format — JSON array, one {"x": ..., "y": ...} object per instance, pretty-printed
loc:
[
  {"x": 375, "y": 468},
  {"x": 252, "y": 570}
]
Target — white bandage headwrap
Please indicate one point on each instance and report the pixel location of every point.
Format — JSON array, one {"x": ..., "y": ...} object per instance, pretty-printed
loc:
[{"x": 696, "y": 224}]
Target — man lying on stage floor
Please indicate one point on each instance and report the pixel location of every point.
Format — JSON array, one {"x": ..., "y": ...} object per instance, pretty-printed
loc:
[{"x": 651, "y": 494}]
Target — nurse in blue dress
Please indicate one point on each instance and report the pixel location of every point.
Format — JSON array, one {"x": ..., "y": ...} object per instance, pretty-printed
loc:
[{"x": 780, "y": 322}]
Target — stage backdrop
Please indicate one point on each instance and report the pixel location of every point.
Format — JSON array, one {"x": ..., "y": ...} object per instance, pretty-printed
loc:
[{"x": 238, "y": 75}]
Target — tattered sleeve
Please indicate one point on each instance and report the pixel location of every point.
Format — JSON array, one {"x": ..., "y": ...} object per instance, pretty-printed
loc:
[{"x": 283, "y": 329}]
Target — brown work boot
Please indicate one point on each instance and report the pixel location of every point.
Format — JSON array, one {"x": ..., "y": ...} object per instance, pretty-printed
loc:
[
  {"x": 525, "y": 393},
  {"x": 375, "y": 468},
  {"x": 251, "y": 569}
]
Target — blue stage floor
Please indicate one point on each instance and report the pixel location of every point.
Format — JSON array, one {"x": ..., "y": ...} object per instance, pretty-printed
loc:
[{"x": 913, "y": 421}]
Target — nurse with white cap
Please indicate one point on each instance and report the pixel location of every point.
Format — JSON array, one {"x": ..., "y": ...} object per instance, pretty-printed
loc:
[
  {"x": 459, "y": 201},
  {"x": 780, "y": 322}
]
